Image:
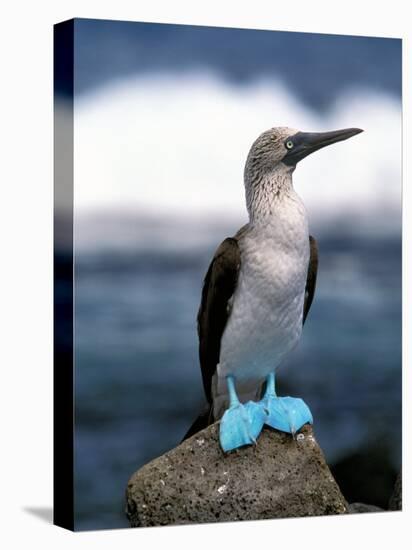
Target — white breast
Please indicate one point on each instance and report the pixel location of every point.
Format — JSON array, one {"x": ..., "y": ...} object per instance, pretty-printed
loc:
[{"x": 266, "y": 318}]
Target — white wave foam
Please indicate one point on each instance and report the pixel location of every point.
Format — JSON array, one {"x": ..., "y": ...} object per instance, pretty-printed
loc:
[{"x": 177, "y": 145}]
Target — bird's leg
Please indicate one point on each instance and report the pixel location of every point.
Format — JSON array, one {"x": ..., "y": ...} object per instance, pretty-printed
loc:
[
  {"x": 241, "y": 424},
  {"x": 287, "y": 414}
]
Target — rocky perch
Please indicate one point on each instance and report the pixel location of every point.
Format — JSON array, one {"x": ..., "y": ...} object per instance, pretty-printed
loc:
[{"x": 197, "y": 483}]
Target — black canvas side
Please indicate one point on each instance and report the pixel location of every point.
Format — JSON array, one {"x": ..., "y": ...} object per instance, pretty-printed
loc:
[{"x": 63, "y": 496}]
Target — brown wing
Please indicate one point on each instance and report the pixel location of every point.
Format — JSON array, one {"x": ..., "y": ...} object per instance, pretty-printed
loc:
[
  {"x": 311, "y": 278},
  {"x": 218, "y": 287}
]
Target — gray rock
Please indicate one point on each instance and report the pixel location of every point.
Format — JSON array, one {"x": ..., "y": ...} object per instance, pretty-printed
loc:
[
  {"x": 395, "y": 502},
  {"x": 360, "y": 508},
  {"x": 197, "y": 483}
]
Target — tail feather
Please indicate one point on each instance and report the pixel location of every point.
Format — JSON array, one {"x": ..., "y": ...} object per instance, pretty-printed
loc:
[{"x": 204, "y": 420}]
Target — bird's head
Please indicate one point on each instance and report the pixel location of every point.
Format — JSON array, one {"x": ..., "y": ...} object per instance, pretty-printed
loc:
[
  {"x": 288, "y": 146},
  {"x": 275, "y": 153}
]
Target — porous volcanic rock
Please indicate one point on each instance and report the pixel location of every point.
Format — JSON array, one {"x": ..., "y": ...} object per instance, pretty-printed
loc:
[{"x": 198, "y": 483}]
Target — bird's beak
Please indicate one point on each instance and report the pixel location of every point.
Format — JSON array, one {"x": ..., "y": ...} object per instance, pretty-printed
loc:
[{"x": 302, "y": 144}]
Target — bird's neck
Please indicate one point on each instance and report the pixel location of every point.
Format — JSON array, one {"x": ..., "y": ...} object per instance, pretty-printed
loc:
[{"x": 269, "y": 194}]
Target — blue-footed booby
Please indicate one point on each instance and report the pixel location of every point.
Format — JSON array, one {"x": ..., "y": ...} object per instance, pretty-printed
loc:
[{"x": 257, "y": 294}]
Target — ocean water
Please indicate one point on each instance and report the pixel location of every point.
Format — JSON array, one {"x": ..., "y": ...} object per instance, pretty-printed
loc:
[{"x": 137, "y": 379}]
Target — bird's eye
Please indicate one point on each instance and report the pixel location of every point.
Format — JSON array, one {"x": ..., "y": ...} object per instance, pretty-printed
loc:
[{"x": 289, "y": 144}]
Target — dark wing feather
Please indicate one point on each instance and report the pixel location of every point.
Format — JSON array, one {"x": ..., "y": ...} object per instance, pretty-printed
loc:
[
  {"x": 311, "y": 278},
  {"x": 218, "y": 287}
]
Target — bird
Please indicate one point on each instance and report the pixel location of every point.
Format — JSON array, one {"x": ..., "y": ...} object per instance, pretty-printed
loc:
[{"x": 257, "y": 294}]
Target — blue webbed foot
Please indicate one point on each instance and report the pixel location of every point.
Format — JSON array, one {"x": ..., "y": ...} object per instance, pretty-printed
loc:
[
  {"x": 241, "y": 425},
  {"x": 287, "y": 414}
]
